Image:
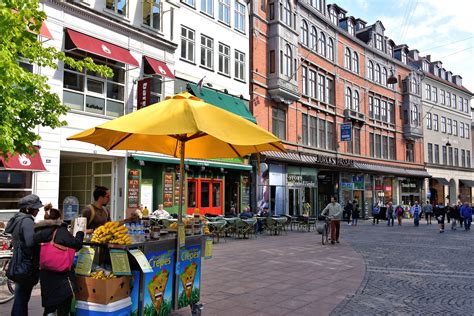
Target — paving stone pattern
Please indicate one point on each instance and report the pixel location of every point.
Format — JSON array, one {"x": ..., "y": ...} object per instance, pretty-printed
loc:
[{"x": 412, "y": 270}]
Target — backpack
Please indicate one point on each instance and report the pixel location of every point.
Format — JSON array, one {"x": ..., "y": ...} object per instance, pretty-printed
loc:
[{"x": 92, "y": 208}]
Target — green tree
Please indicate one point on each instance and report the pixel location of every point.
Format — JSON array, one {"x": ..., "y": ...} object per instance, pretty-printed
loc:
[{"x": 25, "y": 98}]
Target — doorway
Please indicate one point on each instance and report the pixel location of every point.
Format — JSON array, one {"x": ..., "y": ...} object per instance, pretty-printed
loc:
[{"x": 294, "y": 201}]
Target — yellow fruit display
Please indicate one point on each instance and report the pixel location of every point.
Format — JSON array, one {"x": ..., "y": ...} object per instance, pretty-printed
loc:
[
  {"x": 111, "y": 233},
  {"x": 102, "y": 275}
]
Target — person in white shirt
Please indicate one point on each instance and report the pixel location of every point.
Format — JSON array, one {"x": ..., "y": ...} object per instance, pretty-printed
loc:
[{"x": 334, "y": 211}]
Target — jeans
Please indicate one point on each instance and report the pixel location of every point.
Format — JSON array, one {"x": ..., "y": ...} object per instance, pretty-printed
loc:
[
  {"x": 416, "y": 219},
  {"x": 467, "y": 223},
  {"x": 389, "y": 219},
  {"x": 354, "y": 221},
  {"x": 335, "y": 227},
  {"x": 22, "y": 297},
  {"x": 61, "y": 310}
]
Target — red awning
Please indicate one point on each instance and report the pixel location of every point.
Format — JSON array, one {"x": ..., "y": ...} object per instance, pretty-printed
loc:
[
  {"x": 23, "y": 162},
  {"x": 44, "y": 32},
  {"x": 101, "y": 48},
  {"x": 157, "y": 67}
]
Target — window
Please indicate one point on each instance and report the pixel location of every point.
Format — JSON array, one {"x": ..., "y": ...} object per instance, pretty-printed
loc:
[
  {"x": 430, "y": 153},
  {"x": 304, "y": 32},
  {"x": 355, "y": 101},
  {"x": 224, "y": 11},
  {"x": 330, "y": 54},
  {"x": 286, "y": 14},
  {"x": 450, "y": 126},
  {"x": 410, "y": 155},
  {"x": 378, "y": 42},
  {"x": 350, "y": 28},
  {"x": 314, "y": 39},
  {"x": 156, "y": 90},
  {"x": 377, "y": 74},
  {"x": 239, "y": 17},
  {"x": 428, "y": 92},
  {"x": 322, "y": 133},
  {"x": 377, "y": 109},
  {"x": 414, "y": 114},
  {"x": 391, "y": 148},
  {"x": 371, "y": 144},
  {"x": 443, "y": 124},
  {"x": 371, "y": 107},
  {"x": 466, "y": 105},
  {"x": 390, "y": 113},
  {"x": 14, "y": 185},
  {"x": 390, "y": 50},
  {"x": 304, "y": 78},
  {"x": 435, "y": 122},
  {"x": 436, "y": 154},
  {"x": 466, "y": 131},
  {"x": 453, "y": 100},
  {"x": 287, "y": 61},
  {"x": 272, "y": 61},
  {"x": 304, "y": 128},
  {"x": 333, "y": 16},
  {"x": 450, "y": 151},
  {"x": 239, "y": 65},
  {"x": 347, "y": 58},
  {"x": 330, "y": 135},
  {"x": 461, "y": 129},
  {"x": 313, "y": 131},
  {"x": 316, "y": 4},
  {"x": 434, "y": 94},
  {"x": 207, "y": 6},
  {"x": 189, "y": 2},
  {"x": 207, "y": 52},
  {"x": 348, "y": 98},
  {"x": 404, "y": 57},
  {"x": 442, "y": 97},
  {"x": 460, "y": 104},
  {"x": 385, "y": 147},
  {"x": 383, "y": 110},
  {"x": 428, "y": 120},
  {"x": 414, "y": 86},
  {"x": 312, "y": 83},
  {"x": 384, "y": 76},
  {"x": 118, "y": 6},
  {"x": 152, "y": 14},
  {"x": 370, "y": 74},
  {"x": 445, "y": 156},
  {"x": 448, "y": 99},
  {"x": 356, "y": 141},
  {"x": 321, "y": 80},
  {"x": 86, "y": 91},
  {"x": 224, "y": 59},
  {"x": 279, "y": 123},
  {"x": 187, "y": 44},
  {"x": 456, "y": 157},
  {"x": 463, "y": 158},
  {"x": 322, "y": 43},
  {"x": 378, "y": 145},
  {"x": 328, "y": 96},
  {"x": 455, "y": 128},
  {"x": 468, "y": 158}
]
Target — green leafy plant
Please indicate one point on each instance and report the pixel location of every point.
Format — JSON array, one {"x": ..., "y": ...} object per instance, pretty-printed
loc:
[{"x": 26, "y": 100}]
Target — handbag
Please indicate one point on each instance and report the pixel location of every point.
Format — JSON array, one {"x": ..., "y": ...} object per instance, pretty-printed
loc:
[
  {"x": 20, "y": 269},
  {"x": 55, "y": 257}
]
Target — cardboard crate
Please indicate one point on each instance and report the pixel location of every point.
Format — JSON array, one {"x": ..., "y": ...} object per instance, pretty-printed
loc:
[{"x": 102, "y": 291}]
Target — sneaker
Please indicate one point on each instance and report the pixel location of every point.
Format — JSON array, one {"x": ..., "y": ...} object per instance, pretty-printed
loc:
[
  {"x": 337, "y": 241},
  {"x": 332, "y": 242}
]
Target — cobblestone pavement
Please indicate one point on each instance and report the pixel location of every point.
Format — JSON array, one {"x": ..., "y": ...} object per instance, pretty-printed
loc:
[{"x": 412, "y": 270}]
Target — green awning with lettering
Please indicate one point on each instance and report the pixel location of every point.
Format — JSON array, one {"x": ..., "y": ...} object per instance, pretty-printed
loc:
[
  {"x": 193, "y": 162},
  {"x": 224, "y": 101}
]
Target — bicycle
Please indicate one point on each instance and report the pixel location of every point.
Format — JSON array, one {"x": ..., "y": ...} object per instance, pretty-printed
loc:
[
  {"x": 7, "y": 286},
  {"x": 326, "y": 230}
]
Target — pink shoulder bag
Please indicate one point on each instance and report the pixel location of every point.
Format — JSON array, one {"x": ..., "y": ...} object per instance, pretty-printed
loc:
[{"x": 55, "y": 257}]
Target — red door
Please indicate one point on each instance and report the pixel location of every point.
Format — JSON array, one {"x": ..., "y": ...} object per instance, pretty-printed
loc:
[{"x": 205, "y": 194}]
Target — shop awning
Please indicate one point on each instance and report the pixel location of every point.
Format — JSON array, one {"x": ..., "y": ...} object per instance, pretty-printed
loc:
[
  {"x": 467, "y": 183},
  {"x": 442, "y": 181},
  {"x": 44, "y": 32},
  {"x": 96, "y": 46},
  {"x": 22, "y": 162},
  {"x": 224, "y": 101},
  {"x": 153, "y": 66},
  {"x": 193, "y": 162}
]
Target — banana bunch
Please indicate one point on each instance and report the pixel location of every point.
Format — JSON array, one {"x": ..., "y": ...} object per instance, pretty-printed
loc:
[
  {"x": 112, "y": 233},
  {"x": 102, "y": 275}
]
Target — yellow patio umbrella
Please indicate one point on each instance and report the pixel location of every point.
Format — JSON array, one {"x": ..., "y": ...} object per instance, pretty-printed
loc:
[{"x": 183, "y": 126}]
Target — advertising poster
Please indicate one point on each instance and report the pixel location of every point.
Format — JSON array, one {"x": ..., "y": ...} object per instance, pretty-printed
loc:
[
  {"x": 189, "y": 276},
  {"x": 135, "y": 295},
  {"x": 158, "y": 291},
  {"x": 133, "y": 188},
  {"x": 168, "y": 190}
]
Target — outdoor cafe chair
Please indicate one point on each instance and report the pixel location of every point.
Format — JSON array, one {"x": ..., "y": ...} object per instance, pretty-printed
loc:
[{"x": 217, "y": 229}]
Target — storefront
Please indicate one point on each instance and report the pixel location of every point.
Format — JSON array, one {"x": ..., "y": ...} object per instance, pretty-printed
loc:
[
  {"x": 437, "y": 191},
  {"x": 410, "y": 189},
  {"x": 465, "y": 190}
]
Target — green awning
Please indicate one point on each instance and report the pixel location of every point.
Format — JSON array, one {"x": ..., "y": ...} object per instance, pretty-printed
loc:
[
  {"x": 193, "y": 162},
  {"x": 224, "y": 101}
]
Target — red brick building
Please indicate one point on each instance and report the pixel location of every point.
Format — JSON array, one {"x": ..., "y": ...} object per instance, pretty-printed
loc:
[{"x": 314, "y": 72}]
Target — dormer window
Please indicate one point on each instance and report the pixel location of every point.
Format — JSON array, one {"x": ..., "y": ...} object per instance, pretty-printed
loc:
[
  {"x": 350, "y": 27},
  {"x": 316, "y": 4},
  {"x": 390, "y": 50},
  {"x": 426, "y": 67},
  {"x": 378, "y": 42},
  {"x": 333, "y": 16},
  {"x": 404, "y": 57}
]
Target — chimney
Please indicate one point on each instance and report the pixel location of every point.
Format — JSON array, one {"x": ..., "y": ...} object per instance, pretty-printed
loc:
[
  {"x": 457, "y": 79},
  {"x": 428, "y": 57}
]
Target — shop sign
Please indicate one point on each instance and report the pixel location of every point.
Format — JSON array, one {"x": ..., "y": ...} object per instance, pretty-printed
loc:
[
  {"x": 346, "y": 132},
  {"x": 388, "y": 188},
  {"x": 143, "y": 93},
  {"x": 379, "y": 187},
  {"x": 408, "y": 185},
  {"x": 301, "y": 180},
  {"x": 347, "y": 185},
  {"x": 158, "y": 285},
  {"x": 168, "y": 190},
  {"x": 70, "y": 207},
  {"x": 133, "y": 188},
  {"x": 333, "y": 161},
  {"x": 359, "y": 185}
]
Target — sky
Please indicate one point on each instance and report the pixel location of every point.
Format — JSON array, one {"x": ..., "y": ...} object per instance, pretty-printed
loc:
[{"x": 442, "y": 29}]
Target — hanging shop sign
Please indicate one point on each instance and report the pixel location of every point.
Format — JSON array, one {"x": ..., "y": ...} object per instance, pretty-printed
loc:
[
  {"x": 346, "y": 132},
  {"x": 133, "y": 188}
]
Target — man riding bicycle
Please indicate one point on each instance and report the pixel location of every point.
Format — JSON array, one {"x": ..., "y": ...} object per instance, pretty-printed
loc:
[{"x": 334, "y": 211}]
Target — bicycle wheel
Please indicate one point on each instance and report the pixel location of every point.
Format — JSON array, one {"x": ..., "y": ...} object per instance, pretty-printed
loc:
[
  {"x": 7, "y": 287},
  {"x": 324, "y": 234}
]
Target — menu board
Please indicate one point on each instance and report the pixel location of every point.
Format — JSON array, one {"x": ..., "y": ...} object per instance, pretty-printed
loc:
[
  {"x": 168, "y": 190},
  {"x": 133, "y": 188},
  {"x": 120, "y": 263},
  {"x": 176, "y": 190}
]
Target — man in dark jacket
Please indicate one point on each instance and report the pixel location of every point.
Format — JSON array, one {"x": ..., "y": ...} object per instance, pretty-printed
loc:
[
  {"x": 20, "y": 226},
  {"x": 440, "y": 213},
  {"x": 57, "y": 288}
]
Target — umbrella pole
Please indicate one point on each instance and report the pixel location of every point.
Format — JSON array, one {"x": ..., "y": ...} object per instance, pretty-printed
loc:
[{"x": 180, "y": 234}]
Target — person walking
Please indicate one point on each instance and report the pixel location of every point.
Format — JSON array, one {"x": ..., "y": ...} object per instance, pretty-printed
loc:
[
  {"x": 390, "y": 214},
  {"x": 466, "y": 213},
  {"x": 348, "y": 211},
  {"x": 20, "y": 226},
  {"x": 57, "y": 288},
  {"x": 458, "y": 207},
  {"x": 428, "y": 211},
  {"x": 399, "y": 214},
  {"x": 415, "y": 211},
  {"x": 440, "y": 213},
  {"x": 375, "y": 213},
  {"x": 355, "y": 212},
  {"x": 454, "y": 214},
  {"x": 334, "y": 211}
]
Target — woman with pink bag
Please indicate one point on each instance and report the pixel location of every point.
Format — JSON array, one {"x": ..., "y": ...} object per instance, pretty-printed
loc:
[{"x": 56, "y": 258}]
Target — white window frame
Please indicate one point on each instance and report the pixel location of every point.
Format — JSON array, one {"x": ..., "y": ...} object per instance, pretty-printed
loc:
[
  {"x": 224, "y": 59},
  {"x": 239, "y": 65},
  {"x": 239, "y": 17},
  {"x": 207, "y": 52},
  {"x": 189, "y": 43},
  {"x": 153, "y": 4},
  {"x": 207, "y": 7},
  {"x": 114, "y": 7},
  {"x": 224, "y": 11}
]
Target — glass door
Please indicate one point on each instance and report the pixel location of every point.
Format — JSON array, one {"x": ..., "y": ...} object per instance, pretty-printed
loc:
[{"x": 294, "y": 201}]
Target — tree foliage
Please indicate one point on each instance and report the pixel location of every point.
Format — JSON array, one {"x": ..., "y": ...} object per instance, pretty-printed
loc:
[{"x": 26, "y": 100}]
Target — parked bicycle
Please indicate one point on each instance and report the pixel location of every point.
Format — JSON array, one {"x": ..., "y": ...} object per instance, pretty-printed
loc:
[
  {"x": 7, "y": 286},
  {"x": 326, "y": 230}
]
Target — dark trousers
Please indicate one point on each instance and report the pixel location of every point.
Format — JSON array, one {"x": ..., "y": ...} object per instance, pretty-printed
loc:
[
  {"x": 376, "y": 218},
  {"x": 428, "y": 218},
  {"x": 390, "y": 220},
  {"x": 22, "y": 297},
  {"x": 335, "y": 228},
  {"x": 467, "y": 223},
  {"x": 62, "y": 309}
]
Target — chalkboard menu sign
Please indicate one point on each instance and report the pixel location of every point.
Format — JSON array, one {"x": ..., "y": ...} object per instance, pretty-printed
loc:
[
  {"x": 168, "y": 190},
  {"x": 133, "y": 188}
]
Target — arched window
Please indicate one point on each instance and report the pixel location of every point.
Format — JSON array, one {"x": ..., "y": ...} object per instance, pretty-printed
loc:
[
  {"x": 414, "y": 86},
  {"x": 370, "y": 74},
  {"x": 414, "y": 114},
  {"x": 355, "y": 101},
  {"x": 330, "y": 49},
  {"x": 377, "y": 73},
  {"x": 287, "y": 13},
  {"x": 314, "y": 39},
  {"x": 348, "y": 98},
  {"x": 347, "y": 58},
  {"x": 322, "y": 43},
  {"x": 384, "y": 76},
  {"x": 287, "y": 61},
  {"x": 304, "y": 32},
  {"x": 355, "y": 62}
]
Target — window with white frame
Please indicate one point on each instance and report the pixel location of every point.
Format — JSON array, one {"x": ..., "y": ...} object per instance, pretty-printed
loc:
[
  {"x": 118, "y": 6},
  {"x": 286, "y": 14},
  {"x": 466, "y": 131},
  {"x": 390, "y": 50},
  {"x": 350, "y": 28},
  {"x": 390, "y": 113},
  {"x": 191, "y": 3},
  {"x": 430, "y": 153},
  {"x": 355, "y": 101},
  {"x": 442, "y": 97},
  {"x": 304, "y": 78},
  {"x": 14, "y": 185},
  {"x": 377, "y": 73},
  {"x": 304, "y": 32},
  {"x": 435, "y": 122},
  {"x": 455, "y": 128},
  {"x": 347, "y": 58},
  {"x": 453, "y": 100},
  {"x": 321, "y": 89},
  {"x": 330, "y": 54},
  {"x": 224, "y": 59},
  {"x": 314, "y": 39},
  {"x": 348, "y": 104},
  {"x": 312, "y": 83},
  {"x": 370, "y": 71},
  {"x": 156, "y": 89},
  {"x": 449, "y": 126},
  {"x": 414, "y": 114},
  {"x": 428, "y": 92},
  {"x": 463, "y": 158},
  {"x": 460, "y": 104},
  {"x": 384, "y": 76},
  {"x": 328, "y": 95},
  {"x": 377, "y": 109},
  {"x": 187, "y": 43},
  {"x": 428, "y": 121},
  {"x": 355, "y": 62},
  {"x": 239, "y": 17},
  {"x": 207, "y": 6},
  {"x": 383, "y": 110},
  {"x": 322, "y": 43},
  {"x": 207, "y": 52},
  {"x": 87, "y": 91},
  {"x": 333, "y": 16},
  {"x": 287, "y": 61},
  {"x": 461, "y": 129},
  {"x": 434, "y": 94},
  {"x": 239, "y": 65},
  {"x": 404, "y": 57},
  {"x": 378, "y": 42},
  {"x": 414, "y": 86},
  {"x": 448, "y": 99},
  {"x": 443, "y": 124},
  {"x": 152, "y": 13},
  {"x": 468, "y": 158},
  {"x": 466, "y": 105},
  {"x": 436, "y": 153},
  {"x": 224, "y": 11}
]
